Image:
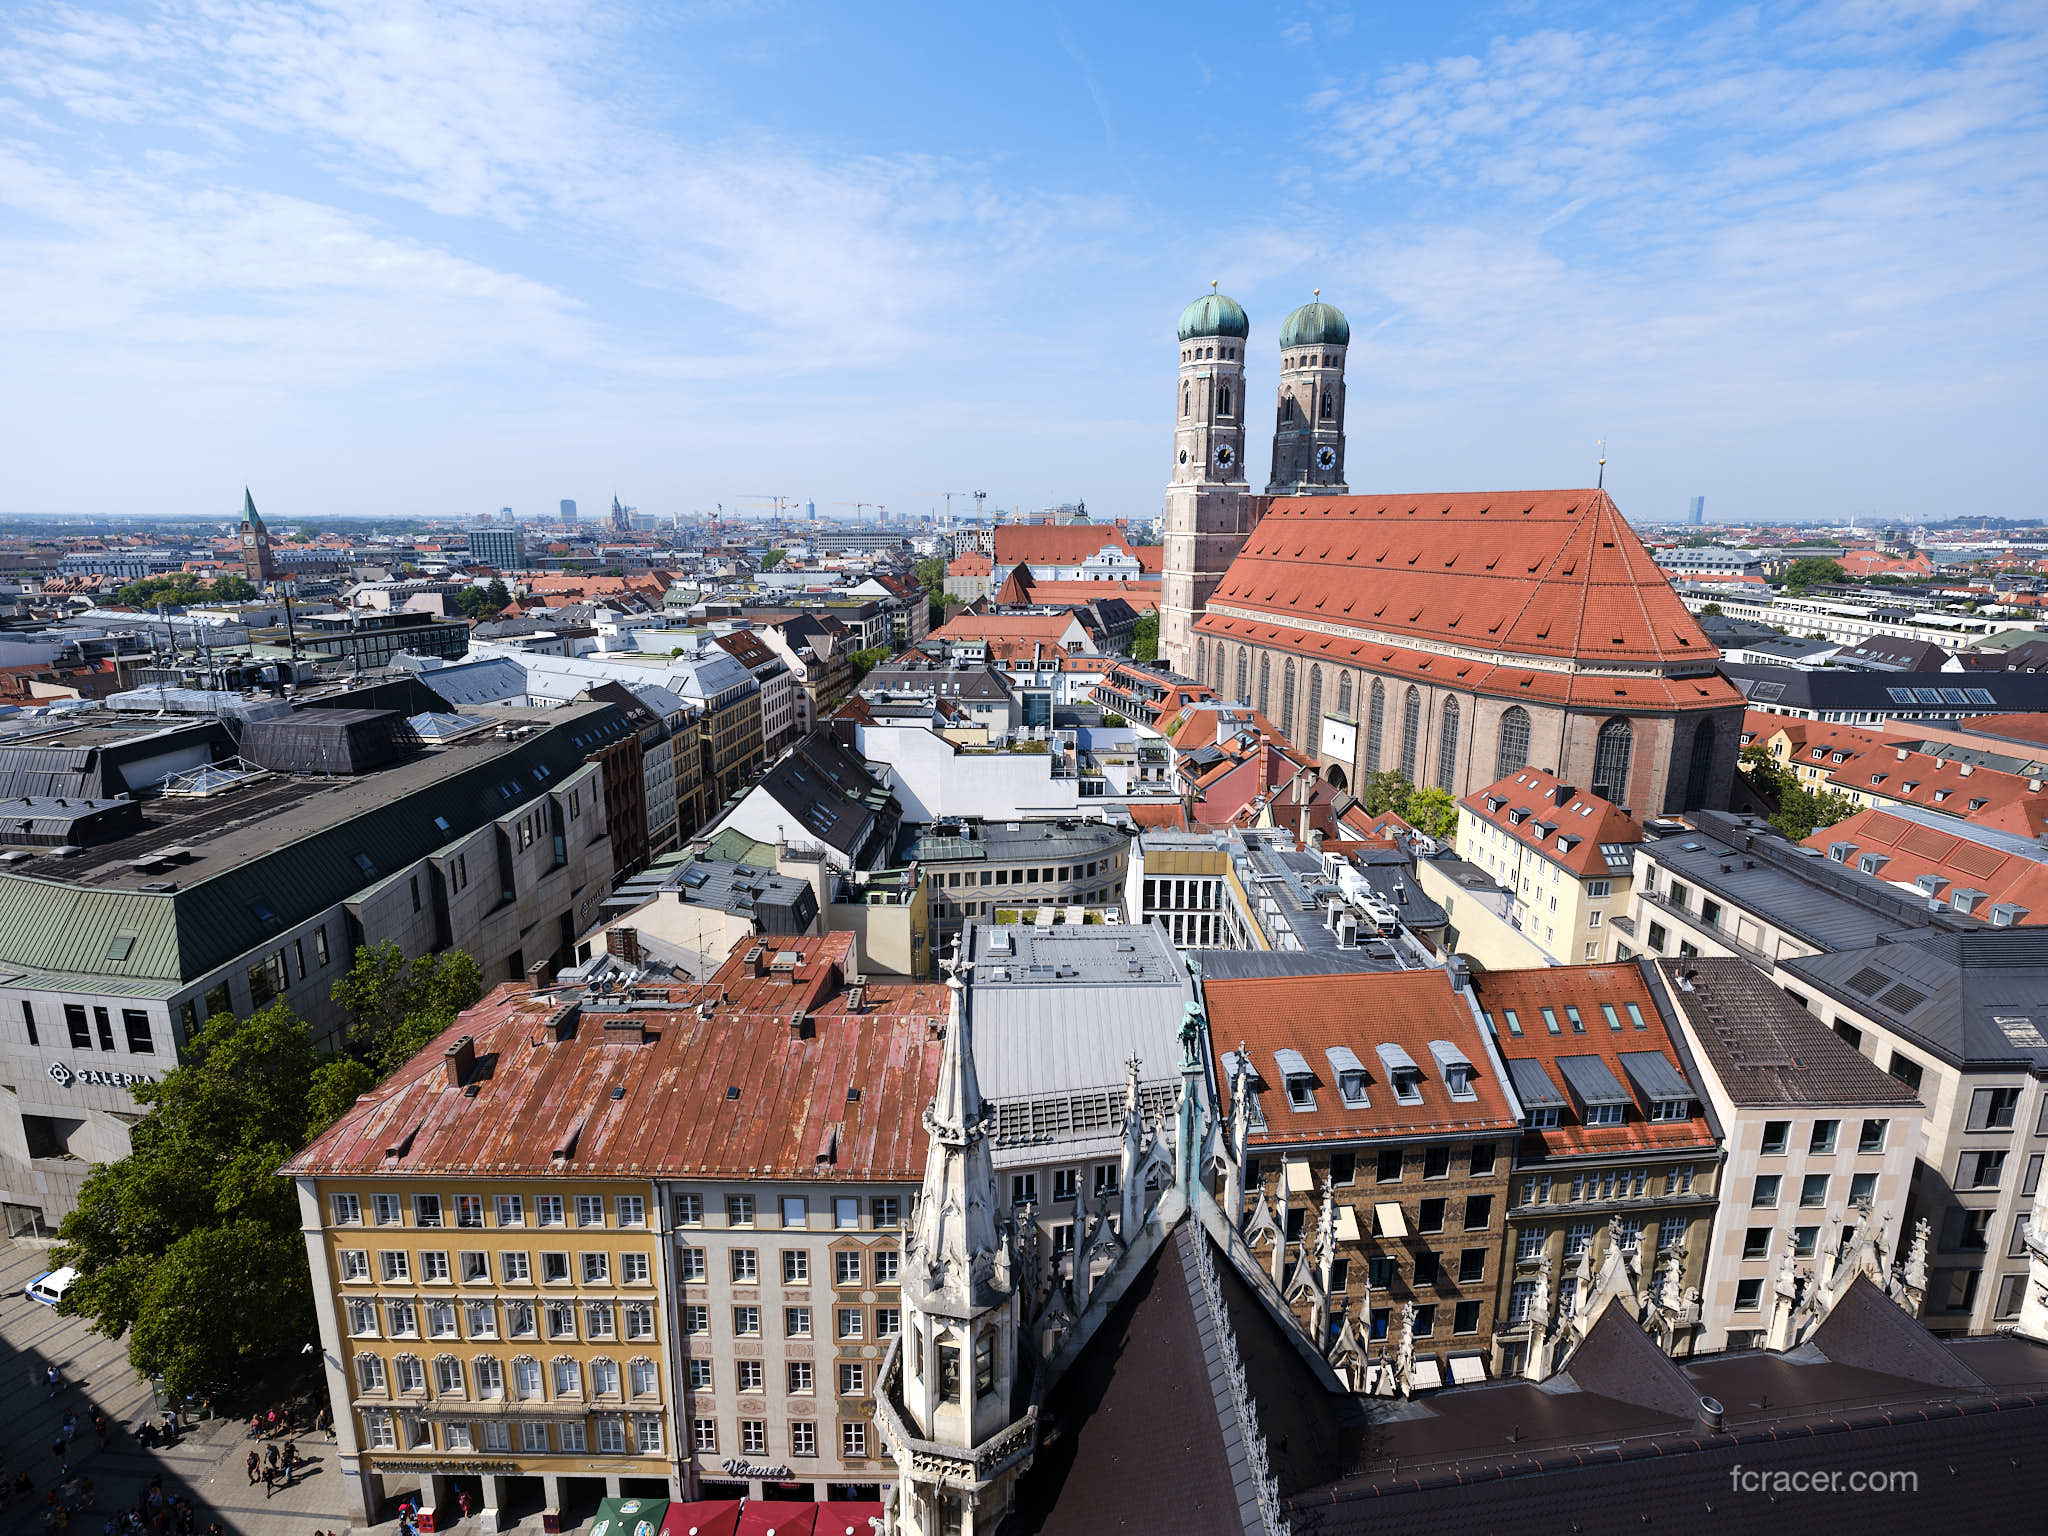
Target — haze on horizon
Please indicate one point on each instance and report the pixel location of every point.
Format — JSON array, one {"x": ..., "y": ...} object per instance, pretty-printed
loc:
[{"x": 405, "y": 259}]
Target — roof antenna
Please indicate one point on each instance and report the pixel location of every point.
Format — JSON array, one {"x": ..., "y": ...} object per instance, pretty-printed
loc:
[{"x": 1601, "y": 483}]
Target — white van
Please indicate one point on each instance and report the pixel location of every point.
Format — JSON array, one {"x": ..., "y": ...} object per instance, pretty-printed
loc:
[{"x": 49, "y": 1287}]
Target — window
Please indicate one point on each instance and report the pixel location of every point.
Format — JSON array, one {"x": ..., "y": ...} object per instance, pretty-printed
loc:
[
  {"x": 611, "y": 1436},
  {"x": 395, "y": 1265},
  {"x": 689, "y": 1210},
  {"x": 1471, "y": 1265},
  {"x": 549, "y": 1208},
  {"x": 704, "y": 1435},
  {"x": 597, "y": 1268},
  {"x": 519, "y": 1319},
  {"x": 846, "y": 1268},
  {"x": 1447, "y": 747},
  {"x": 631, "y": 1210},
  {"x": 1604, "y": 1114},
  {"x": 698, "y": 1376},
  {"x": 136, "y": 1024},
  {"x": 1430, "y": 1216},
  {"x": 1066, "y": 1183},
  {"x": 568, "y": 1377},
  {"x": 511, "y": 1211},
  {"x": 633, "y": 1269},
  {"x": 1905, "y": 1069},
  {"x": 1804, "y": 1241},
  {"x": 1577, "y": 1237},
  {"x": 746, "y": 1322},
  {"x": 853, "y": 1439},
  {"x": 1465, "y": 1317},
  {"x": 1512, "y": 751},
  {"x": 1749, "y": 1295},
  {"x": 853, "y": 1380},
  {"x": 739, "y": 1210},
  {"x": 482, "y": 1319},
  {"x": 1980, "y": 1170},
  {"x": 889, "y": 1320},
  {"x": 1389, "y": 1171},
  {"x": 800, "y": 1378},
  {"x": 426, "y": 1210},
  {"x": 750, "y": 1377},
  {"x": 796, "y": 1322},
  {"x": 850, "y": 1322},
  {"x": 382, "y": 1436},
  {"x": 561, "y": 1318},
  {"x": 1611, "y": 752},
  {"x": 411, "y": 1375},
  {"x": 1862, "y": 1189},
  {"x": 746, "y": 1266},
  {"x": 1776, "y": 1133},
  {"x": 1822, "y": 1138},
  {"x": 554, "y": 1268},
  {"x": 1411, "y": 731},
  {"x": 1991, "y": 1109},
  {"x": 347, "y": 1209},
  {"x": 355, "y": 1264},
  {"x": 1521, "y": 1299},
  {"x": 846, "y": 1212},
  {"x": 1813, "y": 1189},
  {"x": 753, "y": 1437},
  {"x": 803, "y": 1438},
  {"x": 515, "y": 1268},
  {"x": 1023, "y": 1188},
  {"x": 362, "y": 1319},
  {"x": 589, "y": 1211},
  {"x": 1478, "y": 1212},
  {"x": 886, "y": 1210},
  {"x": 1873, "y": 1136}
]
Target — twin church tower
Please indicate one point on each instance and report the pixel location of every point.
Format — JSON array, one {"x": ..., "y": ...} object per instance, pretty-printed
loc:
[{"x": 1210, "y": 507}]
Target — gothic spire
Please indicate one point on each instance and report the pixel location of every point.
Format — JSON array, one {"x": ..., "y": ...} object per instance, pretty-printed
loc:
[{"x": 957, "y": 1247}]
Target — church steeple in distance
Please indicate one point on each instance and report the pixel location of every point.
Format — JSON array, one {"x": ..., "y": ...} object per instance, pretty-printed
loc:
[
  {"x": 1308, "y": 432},
  {"x": 1207, "y": 515}
]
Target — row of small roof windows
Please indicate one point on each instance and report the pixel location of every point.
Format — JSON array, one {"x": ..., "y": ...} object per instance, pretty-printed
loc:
[
  {"x": 1572, "y": 1017},
  {"x": 1402, "y": 1074},
  {"x": 1597, "y": 1094},
  {"x": 1940, "y": 695}
]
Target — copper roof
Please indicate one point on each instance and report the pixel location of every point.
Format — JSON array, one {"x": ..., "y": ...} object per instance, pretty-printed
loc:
[
  {"x": 1534, "y": 573},
  {"x": 706, "y": 1080}
]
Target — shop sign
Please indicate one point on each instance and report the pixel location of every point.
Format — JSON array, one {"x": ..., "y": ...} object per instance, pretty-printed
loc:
[
  {"x": 737, "y": 1468},
  {"x": 92, "y": 1077}
]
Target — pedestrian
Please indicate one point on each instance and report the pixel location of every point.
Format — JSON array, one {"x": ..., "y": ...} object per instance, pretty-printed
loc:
[
  {"x": 323, "y": 1422},
  {"x": 255, "y": 1464},
  {"x": 54, "y": 1378},
  {"x": 269, "y": 1479},
  {"x": 463, "y": 1503},
  {"x": 57, "y": 1447},
  {"x": 24, "y": 1485},
  {"x": 70, "y": 1423},
  {"x": 270, "y": 1455}
]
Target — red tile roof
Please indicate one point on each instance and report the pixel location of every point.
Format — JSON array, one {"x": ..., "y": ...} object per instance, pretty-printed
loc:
[
  {"x": 1591, "y": 989},
  {"x": 1601, "y": 690},
  {"x": 1027, "y": 627},
  {"x": 973, "y": 563},
  {"x": 536, "y": 1094},
  {"x": 1565, "y": 824},
  {"x": 1056, "y": 544},
  {"x": 1912, "y": 850},
  {"x": 1531, "y": 573},
  {"x": 1358, "y": 1012},
  {"x": 1142, "y": 596}
]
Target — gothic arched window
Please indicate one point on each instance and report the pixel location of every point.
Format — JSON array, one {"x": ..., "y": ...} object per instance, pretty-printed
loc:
[
  {"x": 1344, "y": 694},
  {"x": 1513, "y": 751},
  {"x": 1610, "y": 760},
  {"x": 1447, "y": 746},
  {"x": 1326, "y": 404},
  {"x": 1411, "y": 731},
  {"x": 1244, "y": 656},
  {"x": 1187, "y": 399},
  {"x": 1265, "y": 681},
  {"x": 1223, "y": 400},
  {"x": 1315, "y": 709},
  {"x": 1699, "y": 777},
  {"x": 1375, "y": 721},
  {"x": 1287, "y": 702}
]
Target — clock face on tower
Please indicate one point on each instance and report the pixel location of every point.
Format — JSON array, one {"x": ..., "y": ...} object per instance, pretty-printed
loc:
[
  {"x": 1326, "y": 457},
  {"x": 1225, "y": 456},
  {"x": 1183, "y": 455}
]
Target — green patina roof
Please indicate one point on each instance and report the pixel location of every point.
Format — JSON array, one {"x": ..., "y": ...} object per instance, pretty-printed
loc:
[
  {"x": 1315, "y": 325},
  {"x": 1214, "y": 314}
]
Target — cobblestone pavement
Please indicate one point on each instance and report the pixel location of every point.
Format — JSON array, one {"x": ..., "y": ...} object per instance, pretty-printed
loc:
[{"x": 205, "y": 1466}]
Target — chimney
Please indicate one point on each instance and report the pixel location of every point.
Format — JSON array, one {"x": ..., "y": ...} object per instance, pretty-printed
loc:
[
  {"x": 624, "y": 943},
  {"x": 1458, "y": 971},
  {"x": 562, "y": 1022},
  {"x": 802, "y": 1027},
  {"x": 1265, "y": 761},
  {"x": 459, "y": 1060},
  {"x": 1565, "y": 793},
  {"x": 537, "y": 975},
  {"x": 757, "y": 960}
]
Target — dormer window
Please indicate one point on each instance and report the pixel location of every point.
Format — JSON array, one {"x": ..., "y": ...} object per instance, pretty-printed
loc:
[
  {"x": 1403, "y": 1075},
  {"x": 1297, "y": 1079},
  {"x": 1670, "y": 1109},
  {"x": 1543, "y": 1118},
  {"x": 1350, "y": 1074},
  {"x": 1603, "y": 1114}
]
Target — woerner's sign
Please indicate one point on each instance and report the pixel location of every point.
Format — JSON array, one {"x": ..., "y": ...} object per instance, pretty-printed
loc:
[
  {"x": 64, "y": 1077},
  {"x": 738, "y": 1468}
]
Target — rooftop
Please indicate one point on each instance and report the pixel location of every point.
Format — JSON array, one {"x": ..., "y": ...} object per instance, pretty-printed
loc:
[
  {"x": 1571, "y": 827},
  {"x": 1970, "y": 998},
  {"x": 705, "y": 1080},
  {"x": 1764, "y": 1048}
]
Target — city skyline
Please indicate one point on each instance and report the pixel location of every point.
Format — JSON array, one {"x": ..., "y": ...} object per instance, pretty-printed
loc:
[{"x": 429, "y": 261}]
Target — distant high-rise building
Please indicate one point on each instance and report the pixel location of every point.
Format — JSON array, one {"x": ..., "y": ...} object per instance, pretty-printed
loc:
[
  {"x": 622, "y": 518},
  {"x": 505, "y": 516},
  {"x": 568, "y": 509},
  {"x": 256, "y": 564},
  {"x": 498, "y": 548},
  {"x": 1697, "y": 513}
]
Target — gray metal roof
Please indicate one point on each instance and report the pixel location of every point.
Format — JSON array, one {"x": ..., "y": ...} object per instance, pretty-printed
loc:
[
  {"x": 1655, "y": 1077},
  {"x": 1395, "y": 1058},
  {"x": 1969, "y": 998},
  {"x": 1343, "y": 1059},
  {"x": 1590, "y": 1079},
  {"x": 1532, "y": 1084},
  {"x": 1291, "y": 1064},
  {"x": 1448, "y": 1055},
  {"x": 1066, "y": 1012}
]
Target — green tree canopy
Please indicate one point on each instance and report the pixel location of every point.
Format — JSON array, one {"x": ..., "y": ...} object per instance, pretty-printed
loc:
[
  {"x": 772, "y": 559},
  {"x": 395, "y": 1006},
  {"x": 183, "y": 589},
  {"x": 1385, "y": 791},
  {"x": 1796, "y": 810},
  {"x": 864, "y": 662},
  {"x": 1433, "y": 811},
  {"x": 1812, "y": 571},
  {"x": 1145, "y": 637},
  {"x": 475, "y": 603}
]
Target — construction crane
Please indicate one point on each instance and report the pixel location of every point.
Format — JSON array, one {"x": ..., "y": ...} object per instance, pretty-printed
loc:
[
  {"x": 949, "y": 495},
  {"x": 858, "y": 508}
]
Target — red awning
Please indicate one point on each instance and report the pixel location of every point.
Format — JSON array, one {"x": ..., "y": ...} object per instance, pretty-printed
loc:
[
  {"x": 713, "y": 1517},
  {"x": 778, "y": 1517},
  {"x": 848, "y": 1519}
]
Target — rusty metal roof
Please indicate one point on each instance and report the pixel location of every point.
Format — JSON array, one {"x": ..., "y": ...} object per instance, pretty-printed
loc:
[{"x": 764, "y": 1071}]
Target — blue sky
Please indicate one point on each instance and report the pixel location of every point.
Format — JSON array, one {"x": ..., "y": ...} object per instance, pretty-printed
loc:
[{"x": 410, "y": 258}]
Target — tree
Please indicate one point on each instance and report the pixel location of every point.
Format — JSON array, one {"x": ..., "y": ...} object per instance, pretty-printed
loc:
[
  {"x": 1386, "y": 791},
  {"x": 931, "y": 575},
  {"x": 475, "y": 603},
  {"x": 1812, "y": 571},
  {"x": 1432, "y": 811},
  {"x": 1796, "y": 810},
  {"x": 395, "y": 1006},
  {"x": 1145, "y": 637},
  {"x": 190, "y": 1244},
  {"x": 498, "y": 593},
  {"x": 1711, "y": 608},
  {"x": 864, "y": 662},
  {"x": 772, "y": 559}
]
